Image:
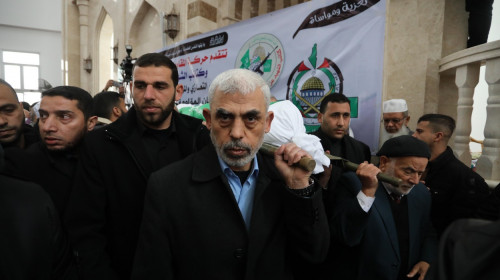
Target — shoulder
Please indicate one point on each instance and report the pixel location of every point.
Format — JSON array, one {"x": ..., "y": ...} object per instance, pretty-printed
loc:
[
  {"x": 459, "y": 170},
  {"x": 177, "y": 169},
  {"x": 421, "y": 192},
  {"x": 355, "y": 142},
  {"x": 203, "y": 161},
  {"x": 185, "y": 120},
  {"x": 22, "y": 193},
  {"x": 350, "y": 181},
  {"x": 317, "y": 133}
]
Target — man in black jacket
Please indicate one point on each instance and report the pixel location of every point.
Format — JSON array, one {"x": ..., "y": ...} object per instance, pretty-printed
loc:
[
  {"x": 226, "y": 212},
  {"x": 457, "y": 191},
  {"x": 32, "y": 242},
  {"x": 334, "y": 119},
  {"x": 65, "y": 117},
  {"x": 105, "y": 208}
]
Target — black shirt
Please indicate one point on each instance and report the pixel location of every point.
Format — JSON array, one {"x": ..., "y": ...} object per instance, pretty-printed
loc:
[{"x": 161, "y": 145}]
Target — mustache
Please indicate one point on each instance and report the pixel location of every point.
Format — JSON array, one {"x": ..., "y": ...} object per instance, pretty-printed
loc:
[
  {"x": 6, "y": 128},
  {"x": 237, "y": 144}
]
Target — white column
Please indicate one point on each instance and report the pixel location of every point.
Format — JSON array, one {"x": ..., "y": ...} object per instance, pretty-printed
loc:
[
  {"x": 83, "y": 9},
  {"x": 488, "y": 164},
  {"x": 466, "y": 79}
]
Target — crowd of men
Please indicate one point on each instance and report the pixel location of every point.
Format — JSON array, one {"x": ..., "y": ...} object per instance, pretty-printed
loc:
[{"x": 96, "y": 191}]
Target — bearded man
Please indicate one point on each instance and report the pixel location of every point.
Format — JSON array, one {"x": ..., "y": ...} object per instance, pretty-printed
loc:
[
  {"x": 227, "y": 212},
  {"x": 105, "y": 209},
  {"x": 395, "y": 119}
]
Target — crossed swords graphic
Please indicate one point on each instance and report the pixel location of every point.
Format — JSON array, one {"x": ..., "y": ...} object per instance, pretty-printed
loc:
[{"x": 312, "y": 107}]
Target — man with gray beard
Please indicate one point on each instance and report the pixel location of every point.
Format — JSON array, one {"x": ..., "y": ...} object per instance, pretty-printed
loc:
[
  {"x": 395, "y": 119},
  {"x": 227, "y": 212}
]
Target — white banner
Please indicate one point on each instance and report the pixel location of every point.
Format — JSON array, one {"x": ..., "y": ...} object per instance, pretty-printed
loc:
[{"x": 304, "y": 53}]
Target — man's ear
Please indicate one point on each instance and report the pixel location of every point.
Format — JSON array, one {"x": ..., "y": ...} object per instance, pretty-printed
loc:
[
  {"x": 438, "y": 136},
  {"x": 91, "y": 122},
  {"x": 208, "y": 118},
  {"x": 320, "y": 118},
  {"x": 269, "y": 120},
  {"x": 116, "y": 112},
  {"x": 383, "y": 161},
  {"x": 407, "y": 120},
  {"x": 179, "y": 90}
]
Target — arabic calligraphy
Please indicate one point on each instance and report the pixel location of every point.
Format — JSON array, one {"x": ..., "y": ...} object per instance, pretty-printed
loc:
[
  {"x": 220, "y": 54},
  {"x": 198, "y": 72},
  {"x": 346, "y": 7}
]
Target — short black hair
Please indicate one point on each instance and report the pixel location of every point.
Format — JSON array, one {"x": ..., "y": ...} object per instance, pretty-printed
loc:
[
  {"x": 26, "y": 105},
  {"x": 104, "y": 102},
  {"x": 333, "y": 98},
  {"x": 157, "y": 60},
  {"x": 3, "y": 82},
  {"x": 84, "y": 99},
  {"x": 439, "y": 123}
]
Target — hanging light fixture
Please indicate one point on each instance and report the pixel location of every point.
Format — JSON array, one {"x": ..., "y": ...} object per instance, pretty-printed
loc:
[
  {"x": 114, "y": 53},
  {"x": 172, "y": 28},
  {"x": 87, "y": 64}
]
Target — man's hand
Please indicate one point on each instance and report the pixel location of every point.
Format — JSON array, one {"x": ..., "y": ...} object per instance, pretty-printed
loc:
[
  {"x": 421, "y": 268},
  {"x": 108, "y": 85},
  {"x": 367, "y": 174},
  {"x": 284, "y": 158}
]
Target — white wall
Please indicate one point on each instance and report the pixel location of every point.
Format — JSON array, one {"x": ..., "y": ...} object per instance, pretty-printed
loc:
[
  {"x": 38, "y": 14},
  {"x": 34, "y": 26}
]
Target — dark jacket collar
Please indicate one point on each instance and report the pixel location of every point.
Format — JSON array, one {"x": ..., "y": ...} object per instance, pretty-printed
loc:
[
  {"x": 443, "y": 159},
  {"x": 126, "y": 131},
  {"x": 348, "y": 149},
  {"x": 187, "y": 129}
]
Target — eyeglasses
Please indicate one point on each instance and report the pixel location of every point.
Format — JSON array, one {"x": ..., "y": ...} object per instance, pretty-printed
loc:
[{"x": 394, "y": 121}]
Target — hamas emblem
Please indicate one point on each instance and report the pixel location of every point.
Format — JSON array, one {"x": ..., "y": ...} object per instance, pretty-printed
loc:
[
  {"x": 263, "y": 54},
  {"x": 309, "y": 84}
]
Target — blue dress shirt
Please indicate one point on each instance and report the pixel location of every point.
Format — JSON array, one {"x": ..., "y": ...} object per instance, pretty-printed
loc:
[{"x": 243, "y": 194}]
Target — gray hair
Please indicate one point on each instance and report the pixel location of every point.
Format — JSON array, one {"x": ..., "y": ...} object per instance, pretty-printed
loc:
[{"x": 239, "y": 81}]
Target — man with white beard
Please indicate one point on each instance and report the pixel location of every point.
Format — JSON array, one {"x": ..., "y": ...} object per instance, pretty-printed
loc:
[{"x": 395, "y": 119}]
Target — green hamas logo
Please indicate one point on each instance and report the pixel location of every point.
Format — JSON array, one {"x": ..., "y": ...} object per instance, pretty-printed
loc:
[
  {"x": 263, "y": 54},
  {"x": 309, "y": 84}
]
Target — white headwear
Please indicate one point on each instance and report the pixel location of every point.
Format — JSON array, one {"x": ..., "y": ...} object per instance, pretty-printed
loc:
[
  {"x": 395, "y": 106},
  {"x": 288, "y": 126}
]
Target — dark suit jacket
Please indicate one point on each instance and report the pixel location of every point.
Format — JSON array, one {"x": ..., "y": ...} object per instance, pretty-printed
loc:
[
  {"x": 105, "y": 208},
  {"x": 193, "y": 229},
  {"x": 371, "y": 242},
  {"x": 457, "y": 191},
  {"x": 54, "y": 172},
  {"x": 32, "y": 242}
]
